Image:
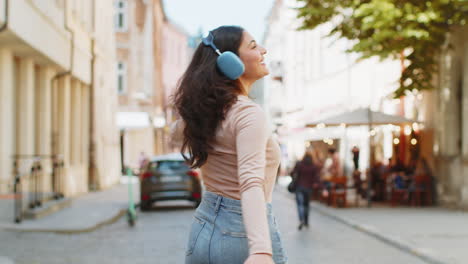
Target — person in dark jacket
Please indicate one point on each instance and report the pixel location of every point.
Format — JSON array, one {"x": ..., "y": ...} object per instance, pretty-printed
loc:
[
  {"x": 307, "y": 172},
  {"x": 355, "y": 152}
]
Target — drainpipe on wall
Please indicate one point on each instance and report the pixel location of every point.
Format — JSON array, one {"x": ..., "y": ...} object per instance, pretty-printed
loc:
[
  {"x": 4, "y": 26},
  {"x": 93, "y": 184},
  {"x": 62, "y": 74}
]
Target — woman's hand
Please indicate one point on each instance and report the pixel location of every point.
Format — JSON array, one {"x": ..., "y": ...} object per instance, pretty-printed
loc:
[{"x": 259, "y": 259}]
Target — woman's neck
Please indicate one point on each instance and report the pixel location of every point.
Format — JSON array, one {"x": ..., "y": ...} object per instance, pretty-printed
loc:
[{"x": 246, "y": 85}]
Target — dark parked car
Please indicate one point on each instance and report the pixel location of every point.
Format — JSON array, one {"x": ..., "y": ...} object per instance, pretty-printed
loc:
[{"x": 168, "y": 177}]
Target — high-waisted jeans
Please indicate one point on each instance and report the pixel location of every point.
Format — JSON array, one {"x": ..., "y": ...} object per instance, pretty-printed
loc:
[{"x": 218, "y": 235}]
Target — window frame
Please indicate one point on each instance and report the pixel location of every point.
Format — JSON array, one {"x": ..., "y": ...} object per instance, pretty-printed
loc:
[
  {"x": 121, "y": 73},
  {"x": 123, "y": 12}
]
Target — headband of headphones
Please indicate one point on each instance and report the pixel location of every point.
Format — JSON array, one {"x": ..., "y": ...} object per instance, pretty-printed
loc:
[{"x": 228, "y": 62}]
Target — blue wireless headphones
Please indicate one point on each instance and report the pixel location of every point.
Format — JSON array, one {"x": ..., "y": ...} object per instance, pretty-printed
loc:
[{"x": 228, "y": 62}]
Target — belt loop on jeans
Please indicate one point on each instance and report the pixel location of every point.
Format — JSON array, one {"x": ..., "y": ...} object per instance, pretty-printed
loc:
[{"x": 218, "y": 203}]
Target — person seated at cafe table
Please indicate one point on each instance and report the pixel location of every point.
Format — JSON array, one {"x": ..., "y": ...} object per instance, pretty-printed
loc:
[
  {"x": 331, "y": 169},
  {"x": 420, "y": 168},
  {"x": 377, "y": 174}
]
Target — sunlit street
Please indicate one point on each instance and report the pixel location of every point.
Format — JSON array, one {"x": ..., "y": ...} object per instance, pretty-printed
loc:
[{"x": 233, "y": 132}]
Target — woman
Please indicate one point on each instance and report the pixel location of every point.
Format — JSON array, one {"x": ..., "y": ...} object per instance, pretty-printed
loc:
[
  {"x": 226, "y": 135},
  {"x": 307, "y": 172}
]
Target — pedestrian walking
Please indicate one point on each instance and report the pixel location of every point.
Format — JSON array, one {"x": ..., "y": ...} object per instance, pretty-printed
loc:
[
  {"x": 307, "y": 172},
  {"x": 226, "y": 135},
  {"x": 355, "y": 151}
]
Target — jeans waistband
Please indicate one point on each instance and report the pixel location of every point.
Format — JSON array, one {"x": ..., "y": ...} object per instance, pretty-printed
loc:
[{"x": 219, "y": 201}]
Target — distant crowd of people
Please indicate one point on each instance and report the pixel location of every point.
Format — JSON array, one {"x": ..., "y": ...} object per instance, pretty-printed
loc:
[
  {"x": 317, "y": 173},
  {"x": 394, "y": 176}
]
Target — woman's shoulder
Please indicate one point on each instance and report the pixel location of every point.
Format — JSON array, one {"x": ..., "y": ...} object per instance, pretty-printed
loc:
[
  {"x": 244, "y": 101},
  {"x": 246, "y": 113},
  {"x": 246, "y": 108}
]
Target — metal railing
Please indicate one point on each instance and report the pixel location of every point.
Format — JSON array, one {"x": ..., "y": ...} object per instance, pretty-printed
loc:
[
  {"x": 28, "y": 184},
  {"x": 57, "y": 178}
]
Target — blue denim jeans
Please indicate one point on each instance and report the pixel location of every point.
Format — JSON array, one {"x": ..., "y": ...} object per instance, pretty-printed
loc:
[
  {"x": 218, "y": 235},
  {"x": 302, "y": 201}
]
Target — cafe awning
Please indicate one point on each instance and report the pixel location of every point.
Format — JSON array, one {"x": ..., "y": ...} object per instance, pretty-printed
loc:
[
  {"x": 132, "y": 120},
  {"x": 361, "y": 117}
]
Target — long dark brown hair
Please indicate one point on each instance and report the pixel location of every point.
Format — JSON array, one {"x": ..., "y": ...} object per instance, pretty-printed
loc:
[{"x": 205, "y": 95}]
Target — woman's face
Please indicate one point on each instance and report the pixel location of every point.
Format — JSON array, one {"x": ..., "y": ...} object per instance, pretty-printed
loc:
[{"x": 251, "y": 54}]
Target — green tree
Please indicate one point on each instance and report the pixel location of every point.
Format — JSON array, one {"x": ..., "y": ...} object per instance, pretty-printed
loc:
[{"x": 410, "y": 30}]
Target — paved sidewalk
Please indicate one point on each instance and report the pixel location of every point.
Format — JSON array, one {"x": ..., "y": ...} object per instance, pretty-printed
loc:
[
  {"x": 5, "y": 260},
  {"x": 436, "y": 235},
  {"x": 86, "y": 213}
]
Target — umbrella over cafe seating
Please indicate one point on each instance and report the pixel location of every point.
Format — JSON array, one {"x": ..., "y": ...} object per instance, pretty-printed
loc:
[{"x": 362, "y": 117}]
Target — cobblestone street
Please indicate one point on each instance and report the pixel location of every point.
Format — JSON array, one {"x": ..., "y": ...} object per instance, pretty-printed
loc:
[{"x": 160, "y": 236}]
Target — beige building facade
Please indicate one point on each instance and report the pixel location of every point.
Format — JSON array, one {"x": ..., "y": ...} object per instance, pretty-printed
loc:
[
  {"x": 57, "y": 93},
  {"x": 138, "y": 30},
  {"x": 176, "y": 55},
  {"x": 312, "y": 77}
]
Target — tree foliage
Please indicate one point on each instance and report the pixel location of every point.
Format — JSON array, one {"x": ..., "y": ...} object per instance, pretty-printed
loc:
[{"x": 412, "y": 30}]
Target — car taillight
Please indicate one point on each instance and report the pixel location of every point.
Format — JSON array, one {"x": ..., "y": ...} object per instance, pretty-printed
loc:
[
  {"x": 193, "y": 173},
  {"x": 196, "y": 195},
  {"x": 145, "y": 175},
  {"x": 145, "y": 197}
]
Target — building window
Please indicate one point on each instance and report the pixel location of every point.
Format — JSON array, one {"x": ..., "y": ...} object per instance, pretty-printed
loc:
[
  {"x": 121, "y": 15},
  {"x": 121, "y": 77}
]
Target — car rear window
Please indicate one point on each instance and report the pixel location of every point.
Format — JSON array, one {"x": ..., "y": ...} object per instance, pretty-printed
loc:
[{"x": 172, "y": 165}]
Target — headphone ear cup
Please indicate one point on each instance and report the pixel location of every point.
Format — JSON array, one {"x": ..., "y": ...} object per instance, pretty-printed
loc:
[{"x": 230, "y": 65}]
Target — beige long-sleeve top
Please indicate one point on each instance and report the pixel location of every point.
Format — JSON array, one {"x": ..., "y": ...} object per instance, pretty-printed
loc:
[{"x": 243, "y": 166}]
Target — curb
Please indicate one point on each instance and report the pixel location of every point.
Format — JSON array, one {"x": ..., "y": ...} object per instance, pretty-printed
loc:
[
  {"x": 374, "y": 232},
  {"x": 92, "y": 228}
]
